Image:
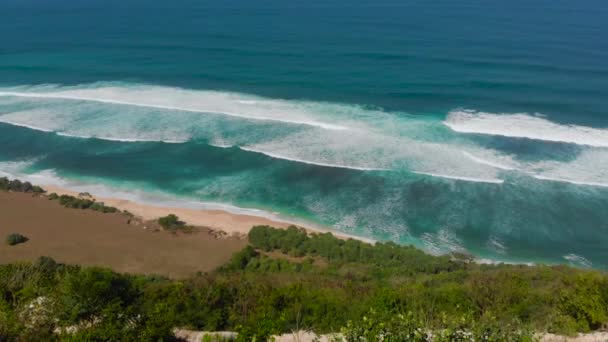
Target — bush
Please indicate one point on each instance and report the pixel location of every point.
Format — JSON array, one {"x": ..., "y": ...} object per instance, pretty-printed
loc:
[
  {"x": 19, "y": 186},
  {"x": 170, "y": 222},
  {"x": 82, "y": 203},
  {"x": 14, "y": 239}
]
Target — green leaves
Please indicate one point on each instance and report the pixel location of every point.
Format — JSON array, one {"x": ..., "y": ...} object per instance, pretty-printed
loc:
[{"x": 170, "y": 222}]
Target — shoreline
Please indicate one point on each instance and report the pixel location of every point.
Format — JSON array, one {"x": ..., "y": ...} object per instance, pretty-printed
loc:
[
  {"x": 229, "y": 221},
  {"x": 235, "y": 224}
]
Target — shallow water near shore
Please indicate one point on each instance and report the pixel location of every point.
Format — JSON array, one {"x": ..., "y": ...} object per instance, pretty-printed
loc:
[{"x": 376, "y": 121}]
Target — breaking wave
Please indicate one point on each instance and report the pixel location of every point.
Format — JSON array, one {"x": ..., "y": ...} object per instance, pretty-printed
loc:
[
  {"x": 180, "y": 100},
  {"x": 525, "y": 126},
  {"x": 276, "y": 156},
  {"x": 314, "y": 133}
]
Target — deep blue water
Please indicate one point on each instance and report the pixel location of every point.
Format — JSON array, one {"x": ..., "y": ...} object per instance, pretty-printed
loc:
[{"x": 476, "y": 126}]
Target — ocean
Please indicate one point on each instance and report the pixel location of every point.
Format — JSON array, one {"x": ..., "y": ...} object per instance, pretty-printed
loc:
[{"x": 473, "y": 126}]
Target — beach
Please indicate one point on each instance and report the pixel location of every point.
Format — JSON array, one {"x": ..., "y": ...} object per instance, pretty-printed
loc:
[
  {"x": 125, "y": 244},
  {"x": 232, "y": 224}
]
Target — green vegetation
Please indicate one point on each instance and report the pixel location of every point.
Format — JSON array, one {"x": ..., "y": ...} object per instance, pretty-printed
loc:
[
  {"x": 16, "y": 185},
  {"x": 287, "y": 280},
  {"x": 173, "y": 223},
  {"x": 82, "y": 203},
  {"x": 170, "y": 222},
  {"x": 15, "y": 238}
]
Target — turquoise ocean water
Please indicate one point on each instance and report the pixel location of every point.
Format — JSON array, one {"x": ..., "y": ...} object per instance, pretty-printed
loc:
[{"x": 473, "y": 126}]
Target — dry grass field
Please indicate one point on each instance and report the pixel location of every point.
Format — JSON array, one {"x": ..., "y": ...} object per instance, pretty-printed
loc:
[{"x": 90, "y": 238}]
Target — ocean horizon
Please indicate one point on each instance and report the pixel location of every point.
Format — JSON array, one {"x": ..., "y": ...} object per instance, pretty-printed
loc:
[{"x": 472, "y": 127}]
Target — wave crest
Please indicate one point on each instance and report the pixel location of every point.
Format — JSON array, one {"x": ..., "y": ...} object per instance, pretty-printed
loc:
[{"x": 523, "y": 125}]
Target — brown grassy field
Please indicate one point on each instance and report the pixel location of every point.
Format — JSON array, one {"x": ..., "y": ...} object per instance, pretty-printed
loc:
[{"x": 90, "y": 238}]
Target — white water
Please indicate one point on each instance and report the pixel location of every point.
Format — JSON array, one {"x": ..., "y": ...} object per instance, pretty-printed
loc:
[
  {"x": 468, "y": 179},
  {"x": 276, "y": 156},
  {"x": 578, "y": 260},
  {"x": 212, "y": 102},
  {"x": 324, "y": 134},
  {"x": 525, "y": 126}
]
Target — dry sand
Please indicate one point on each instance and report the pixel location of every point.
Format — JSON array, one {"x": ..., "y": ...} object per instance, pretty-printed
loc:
[{"x": 216, "y": 219}]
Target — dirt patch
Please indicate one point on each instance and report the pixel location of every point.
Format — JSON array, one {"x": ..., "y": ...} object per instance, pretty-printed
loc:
[{"x": 90, "y": 238}]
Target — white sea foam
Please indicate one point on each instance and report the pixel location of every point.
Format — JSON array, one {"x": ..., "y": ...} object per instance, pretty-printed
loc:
[
  {"x": 443, "y": 242},
  {"x": 524, "y": 126},
  {"x": 576, "y": 182},
  {"x": 589, "y": 168},
  {"x": 198, "y": 102},
  {"x": 276, "y": 156},
  {"x": 578, "y": 260},
  {"x": 18, "y": 124},
  {"x": 220, "y": 145},
  {"x": 79, "y": 136},
  {"x": 13, "y": 169},
  {"x": 496, "y": 245},
  {"x": 467, "y": 179},
  {"x": 487, "y": 162},
  {"x": 374, "y": 141}
]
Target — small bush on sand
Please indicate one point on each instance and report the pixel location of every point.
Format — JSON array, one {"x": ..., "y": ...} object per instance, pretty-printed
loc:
[
  {"x": 14, "y": 239},
  {"x": 170, "y": 222},
  {"x": 82, "y": 203}
]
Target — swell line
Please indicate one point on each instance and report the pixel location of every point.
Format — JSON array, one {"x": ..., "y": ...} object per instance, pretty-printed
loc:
[
  {"x": 523, "y": 125},
  {"x": 467, "y": 179},
  {"x": 323, "y": 125},
  {"x": 309, "y": 162}
]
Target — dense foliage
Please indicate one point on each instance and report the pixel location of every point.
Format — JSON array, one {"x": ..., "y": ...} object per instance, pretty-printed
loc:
[
  {"x": 45, "y": 301},
  {"x": 389, "y": 257},
  {"x": 15, "y": 238},
  {"x": 16, "y": 185},
  {"x": 170, "y": 222},
  {"x": 82, "y": 203},
  {"x": 320, "y": 283}
]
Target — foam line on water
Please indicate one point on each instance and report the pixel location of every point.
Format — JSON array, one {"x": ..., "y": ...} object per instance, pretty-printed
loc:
[
  {"x": 575, "y": 182},
  {"x": 578, "y": 260},
  {"x": 375, "y": 140},
  {"x": 169, "y": 107},
  {"x": 167, "y": 141},
  {"x": 467, "y": 179},
  {"x": 522, "y": 125},
  {"x": 277, "y": 156},
  {"x": 18, "y": 124},
  {"x": 487, "y": 162}
]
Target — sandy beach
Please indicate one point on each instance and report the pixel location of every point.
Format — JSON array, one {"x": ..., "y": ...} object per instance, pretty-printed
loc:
[
  {"x": 230, "y": 223},
  {"x": 214, "y": 219}
]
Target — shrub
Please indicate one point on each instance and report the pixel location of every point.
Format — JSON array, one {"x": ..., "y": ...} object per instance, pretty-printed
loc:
[
  {"x": 170, "y": 222},
  {"x": 14, "y": 239},
  {"x": 82, "y": 203},
  {"x": 19, "y": 186}
]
